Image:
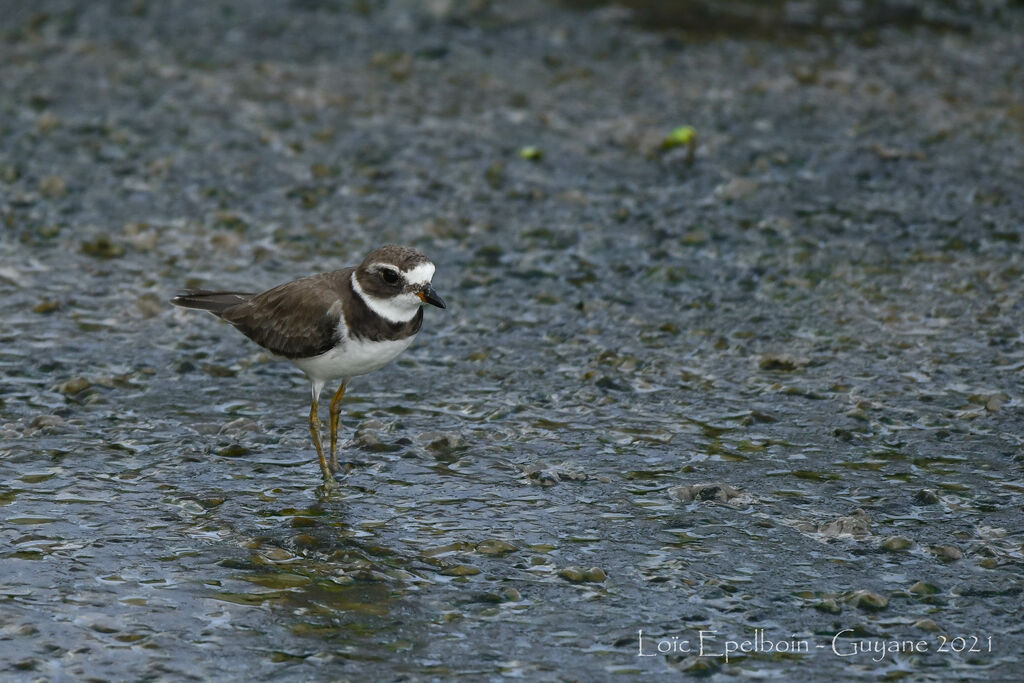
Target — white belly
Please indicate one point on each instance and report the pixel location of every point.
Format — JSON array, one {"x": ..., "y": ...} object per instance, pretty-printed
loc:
[{"x": 355, "y": 357}]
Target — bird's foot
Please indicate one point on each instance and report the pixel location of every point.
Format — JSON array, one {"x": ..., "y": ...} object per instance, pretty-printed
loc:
[{"x": 330, "y": 486}]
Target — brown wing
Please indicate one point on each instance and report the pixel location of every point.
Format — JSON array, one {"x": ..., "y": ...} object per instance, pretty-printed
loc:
[{"x": 298, "y": 319}]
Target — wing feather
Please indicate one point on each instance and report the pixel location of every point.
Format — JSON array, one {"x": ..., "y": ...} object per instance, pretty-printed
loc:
[{"x": 298, "y": 319}]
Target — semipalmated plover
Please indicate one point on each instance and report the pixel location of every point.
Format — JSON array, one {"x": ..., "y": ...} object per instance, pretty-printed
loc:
[{"x": 335, "y": 325}]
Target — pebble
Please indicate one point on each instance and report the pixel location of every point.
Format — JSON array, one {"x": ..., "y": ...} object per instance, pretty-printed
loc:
[
  {"x": 947, "y": 553},
  {"x": 511, "y": 595},
  {"x": 867, "y": 600},
  {"x": 829, "y": 606},
  {"x": 895, "y": 544},
  {"x": 574, "y": 574},
  {"x": 856, "y": 524},
  {"x": 460, "y": 570},
  {"x": 571, "y": 574},
  {"x": 53, "y": 187},
  {"x": 781, "y": 362},
  {"x": 46, "y": 306},
  {"x": 46, "y": 421},
  {"x": 718, "y": 491},
  {"x": 101, "y": 623},
  {"x": 735, "y": 189},
  {"x": 102, "y": 247},
  {"x": 75, "y": 386},
  {"x": 922, "y": 588},
  {"x": 277, "y": 554},
  {"x": 494, "y": 546},
  {"x": 233, "y": 450},
  {"x": 440, "y": 442}
]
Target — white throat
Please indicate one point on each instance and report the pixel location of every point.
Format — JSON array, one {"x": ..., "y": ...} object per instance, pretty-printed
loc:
[{"x": 399, "y": 309}]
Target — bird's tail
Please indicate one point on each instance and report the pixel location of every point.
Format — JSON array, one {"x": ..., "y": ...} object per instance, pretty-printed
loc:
[{"x": 214, "y": 302}]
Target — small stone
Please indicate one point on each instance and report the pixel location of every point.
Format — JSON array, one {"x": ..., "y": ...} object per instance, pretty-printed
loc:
[
  {"x": 495, "y": 175},
  {"x": 233, "y": 450},
  {"x": 736, "y": 189},
  {"x": 101, "y": 623},
  {"x": 323, "y": 171},
  {"x": 141, "y": 235},
  {"x": 46, "y": 421},
  {"x": 544, "y": 477},
  {"x": 926, "y": 625},
  {"x": 401, "y": 67},
  {"x": 440, "y": 442},
  {"x": 531, "y": 153},
  {"x": 923, "y": 588},
  {"x": 717, "y": 491},
  {"x": 683, "y": 136},
  {"x": 781, "y": 362},
  {"x": 306, "y": 541},
  {"x": 277, "y": 555},
  {"x": 53, "y": 187},
  {"x": 572, "y": 574},
  {"x": 926, "y": 497},
  {"x": 493, "y": 546},
  {"x": 191, "y": 507},
  {"x": 594, "y": 575},
  {"x": 995, "y": 402},
  {"x": 460, "y": 570},
  {"x": 46, "y": 306},
  {"x": 610, "y": 383},
  {"x": 856, "y": 524},
  {"x": 75, "y": 386},
  {"x": 858, "y": 414},
  {"x": 9, "y": 173},
  {"x": 829, "y": 606},
  {"x": 866, "y": 600},
  {"x": 947, "y": 553},
  {"x": 102, "y": 247},
  {"x": 366, "y": 437},
  {"x": 505, "y": 595},
  {"x": 150, "y": 305},
  {"x": 47, "y": 122},
  {"x": 895, "y": 544}
]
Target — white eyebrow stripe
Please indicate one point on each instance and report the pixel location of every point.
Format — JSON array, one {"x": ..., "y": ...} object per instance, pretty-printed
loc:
[{"x": 421, "y": 274}]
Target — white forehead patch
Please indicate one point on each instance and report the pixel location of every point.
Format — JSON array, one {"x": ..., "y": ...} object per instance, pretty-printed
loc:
[{"x": 421, "y": 274}]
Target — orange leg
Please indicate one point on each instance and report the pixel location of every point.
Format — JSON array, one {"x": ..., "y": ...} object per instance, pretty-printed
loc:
[
  {"x": 335, "y": 418},
  {"x": 314, "y": 430}
]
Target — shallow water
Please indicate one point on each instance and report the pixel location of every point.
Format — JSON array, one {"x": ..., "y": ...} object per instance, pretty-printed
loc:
[{"x": 773, "y": 389}]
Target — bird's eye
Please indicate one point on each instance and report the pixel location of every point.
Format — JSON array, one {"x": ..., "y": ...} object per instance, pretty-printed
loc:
[{"x": 389, "y": 276}]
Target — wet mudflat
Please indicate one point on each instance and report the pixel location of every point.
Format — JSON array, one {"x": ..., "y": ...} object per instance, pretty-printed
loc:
[{"x": 767, "y": 388}]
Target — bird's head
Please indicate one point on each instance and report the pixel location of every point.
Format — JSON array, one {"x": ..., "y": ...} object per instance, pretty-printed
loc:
[{"x": 394, "y": 282}]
